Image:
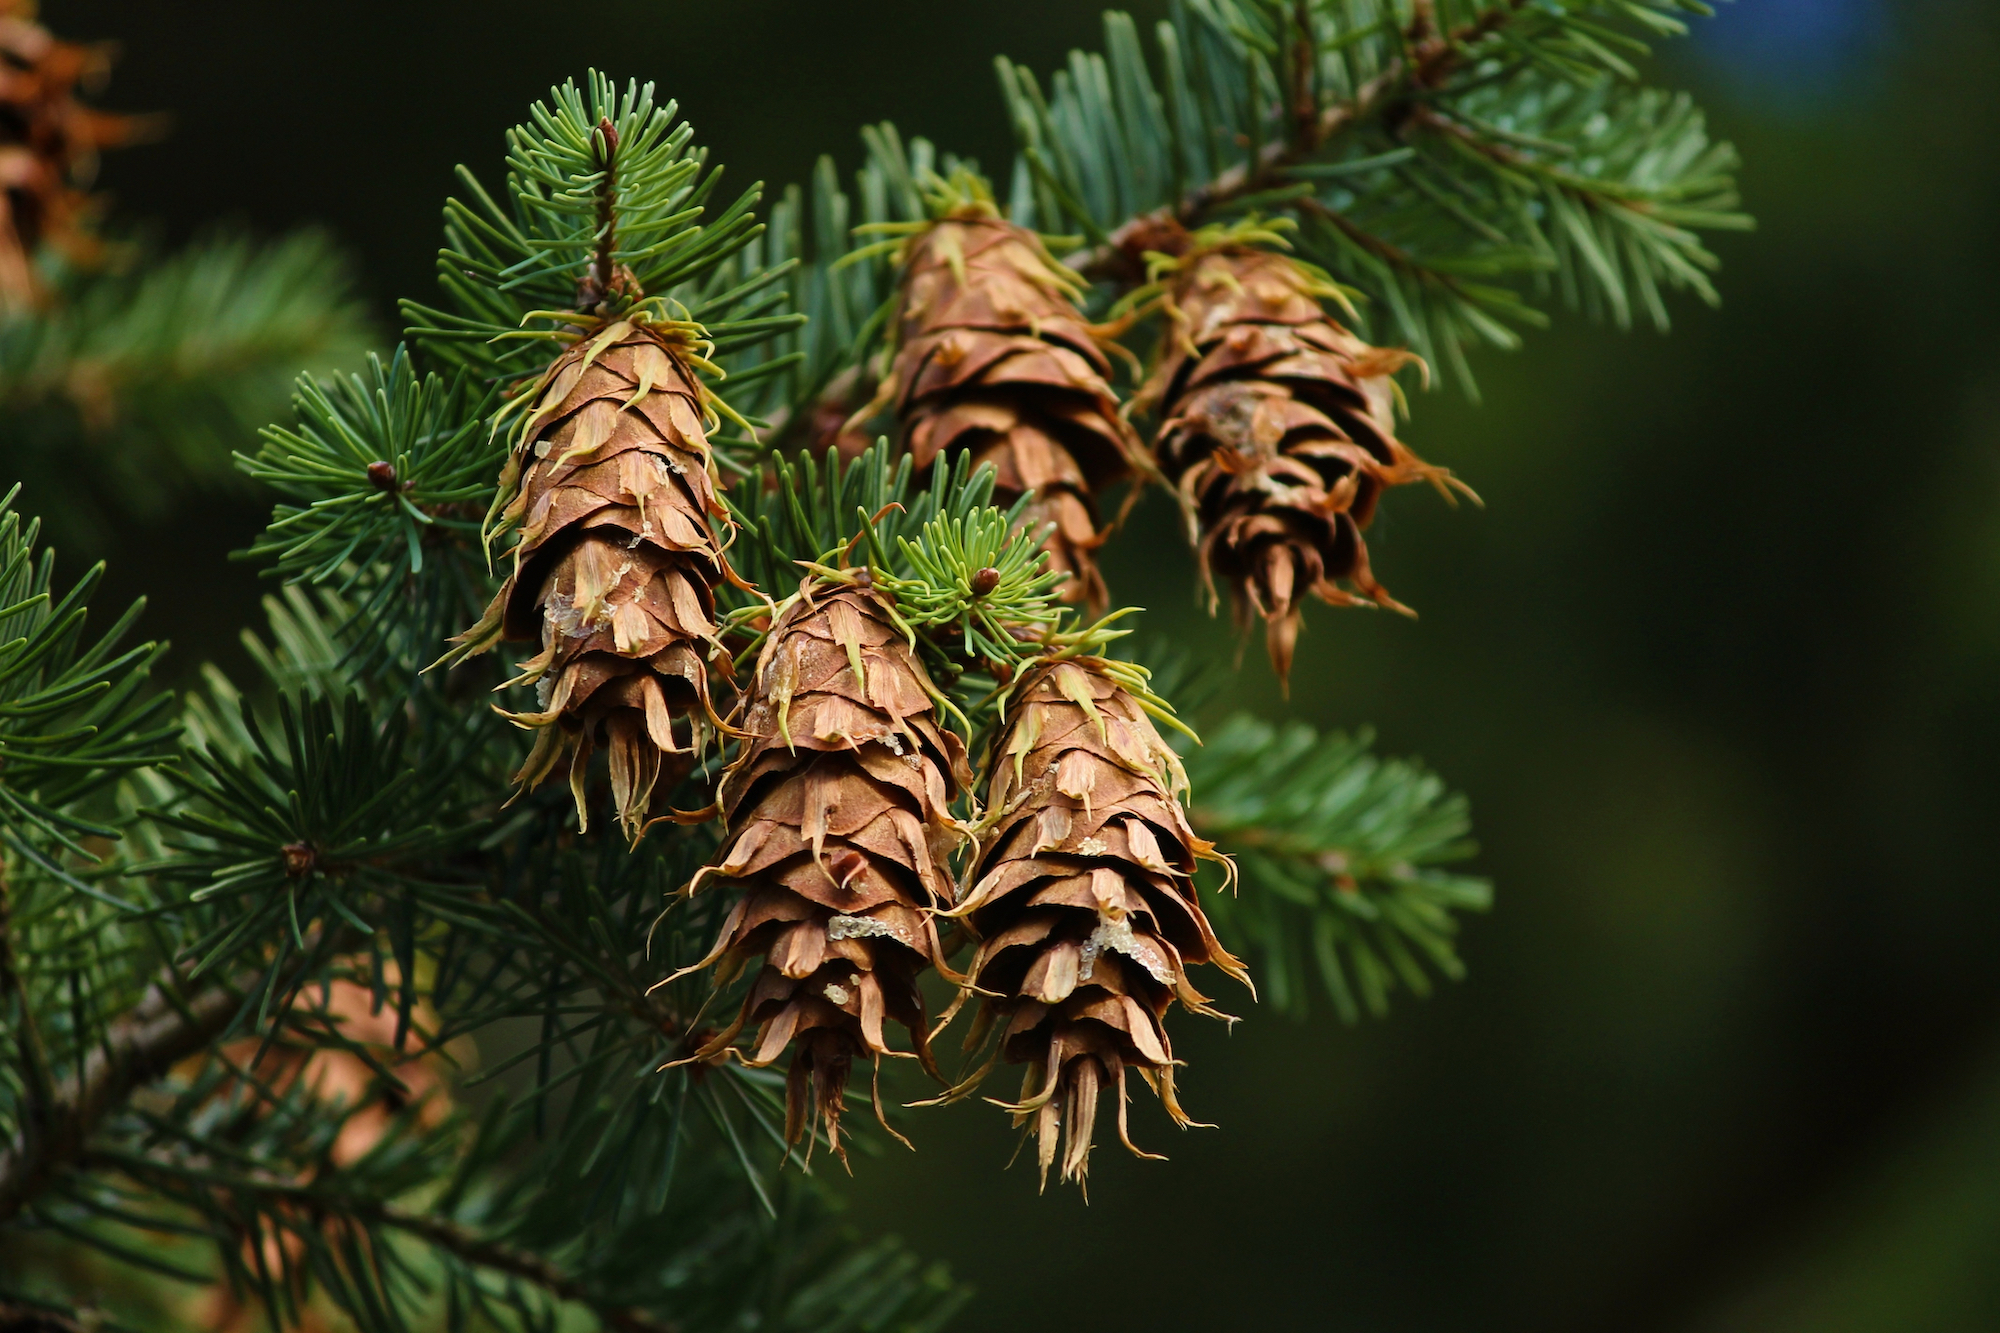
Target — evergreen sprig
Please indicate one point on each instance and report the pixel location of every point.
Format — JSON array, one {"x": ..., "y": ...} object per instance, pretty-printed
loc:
[
  {"x": 956, "y": 565},
  {"x": 386, "y": 476},
  {"x": 604, "y": 199},
  {"x": 1343, "y": 860},
  {"x": 73, "y": 714},
  {"x": 290, "y": 849},
  {"x": 153, "y": 371},
  {"x": 407, "y": 453},
  {"x": 1450, "y": 160},
  {"x": 980, "y": 576}
]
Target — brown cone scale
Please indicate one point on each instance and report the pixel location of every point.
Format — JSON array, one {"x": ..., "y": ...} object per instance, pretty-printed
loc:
[
  {"x": 994, "y": 358},
  {"x": 48, "y": 143},
  {"x": 1084, "y": 906},
  {"x": 839, "y": 834},
  {"x": 1278, "y": 431},
  {"x": 615, "y": 567}
]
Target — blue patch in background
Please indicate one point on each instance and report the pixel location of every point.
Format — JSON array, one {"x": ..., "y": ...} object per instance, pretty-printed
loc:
[{"x": 1797, "y": 53}]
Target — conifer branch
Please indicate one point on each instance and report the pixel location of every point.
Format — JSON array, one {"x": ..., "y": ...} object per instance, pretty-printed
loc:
[
  {"x": 26, "y": 1030},
  {"x": 1433, "y": 57},
  {"x": 1238, "y": 182},
  {"x": 20, "y": 1318},
  {"x": 164, "y": 1029},
  {"x": 514, "y": 1262}
]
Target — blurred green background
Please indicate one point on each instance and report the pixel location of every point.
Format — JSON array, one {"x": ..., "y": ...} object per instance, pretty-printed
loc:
[{"x": 1719, "y": 665}]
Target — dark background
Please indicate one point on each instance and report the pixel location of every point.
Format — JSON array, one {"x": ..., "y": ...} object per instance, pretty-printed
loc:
[{"x": 1717, "y": 666}]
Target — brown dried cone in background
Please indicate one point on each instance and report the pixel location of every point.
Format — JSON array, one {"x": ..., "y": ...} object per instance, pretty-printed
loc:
[
  {"x": 1083, "y": 903},
  {"x": 839, "y": 835},
  {"x": 614, "y": 572},
  {"x": 1278, "y": 432},
  {"x": 329, "y": 1075},
  {"x": 994, "y": 358},
  {"x": 49, "y": 143},
  {"x": 830, "y": 426}
]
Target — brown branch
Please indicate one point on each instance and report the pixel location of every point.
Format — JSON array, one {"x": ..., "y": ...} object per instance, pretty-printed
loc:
[
  {"x": 140, "y": 1047},
  {"x": 1433, "y": 57},
  {"x": 507, "y": 1259},
  {"x": 601, "y": 275},
  {"x": 1305, "y": 93},
  {"x": 1394, "y": 256},
  {"x": 17, "y": 1318},
  {"x": 27, "y": 1033},
  {"x": 329, "y": 1208}
]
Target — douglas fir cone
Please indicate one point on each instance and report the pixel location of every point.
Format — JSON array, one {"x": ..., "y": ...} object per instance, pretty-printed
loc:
[
  {"x": 993, "y": 357},
  {"x": 1278, "y": 430},
  {"x": 615, "y": 568},
  {"x": 1083, "y": 902},
  {"x": 839, "y": 834}
]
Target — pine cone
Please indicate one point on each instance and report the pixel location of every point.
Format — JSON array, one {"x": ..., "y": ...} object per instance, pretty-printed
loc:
[
  {"x": 993, "y": 357},
  {"x": 1278, "y": 431},
  {"x": 839, "y": 839},
  {"x": 1083, "y": 903},
  {"x": 616, "y": 565},
  {"x": 48, "y": 140}
]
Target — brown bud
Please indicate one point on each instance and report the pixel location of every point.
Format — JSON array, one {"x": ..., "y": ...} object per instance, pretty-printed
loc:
[
  {"x": 985, "y": 581},
  {"x": 610, "y": 135},
  {"x": 1151, "y": 233},
  {"x": 382, "y": 475},
  {"x": 300, "y": 858}
]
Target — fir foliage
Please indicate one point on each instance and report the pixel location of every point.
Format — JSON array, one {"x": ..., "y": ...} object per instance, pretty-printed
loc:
[
  {"x": 387, "y": 474},
  {"x": 621, "y": 210},
  {"x": 1455, "y": 162},
  {"x": 131, "y": 382},
  {"x": 1344, "y": 858},
  {"x": 530, "y": 1139},
  {"x": 73, "y": 714}
]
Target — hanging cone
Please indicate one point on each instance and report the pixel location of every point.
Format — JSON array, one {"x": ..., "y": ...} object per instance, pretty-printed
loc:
[
  {"x": 1084, "y": 907},
  {"x": 839, "y": 835},
  {"x": 994, "y": 358},
  {"x": 49, "y": 143},
  {"x": 614, "y": 572},
  {"x": 1278, "y": 431}
]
